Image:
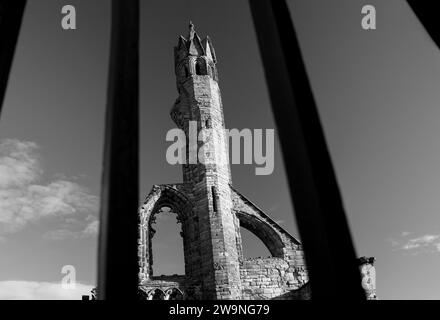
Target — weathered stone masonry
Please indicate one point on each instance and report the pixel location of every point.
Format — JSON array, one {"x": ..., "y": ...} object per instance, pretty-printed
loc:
[{"x": 211, "y": 211}]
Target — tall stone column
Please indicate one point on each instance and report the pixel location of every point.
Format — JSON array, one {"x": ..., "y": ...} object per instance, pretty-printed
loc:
[
  {"x": 368, "y": 273},
  {"x": 199, "y": 112}
]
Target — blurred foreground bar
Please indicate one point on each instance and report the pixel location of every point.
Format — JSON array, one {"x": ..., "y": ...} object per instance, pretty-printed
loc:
[
  {"x": 328, "y": 247},
  {"x": 11, "y": 14},
  {"x": 428, "y": 14},
  {"x": 117, "y": 260}
]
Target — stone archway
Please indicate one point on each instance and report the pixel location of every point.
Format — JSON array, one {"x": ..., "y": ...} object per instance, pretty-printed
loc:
[
  {"x": 156, "y": 294},
  {"x": 173, "y": 294},
  {"x": 162, "y": 196},
  {"x": 142, "y": 295},
  {"x": 265, "y": 232}
]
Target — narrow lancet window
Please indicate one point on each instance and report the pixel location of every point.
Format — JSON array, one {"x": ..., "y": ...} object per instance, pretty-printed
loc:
[{"x": 214, "y": 199}]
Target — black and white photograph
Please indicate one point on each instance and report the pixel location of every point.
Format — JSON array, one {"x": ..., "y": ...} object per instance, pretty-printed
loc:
[{"x": 229, "y": 158}]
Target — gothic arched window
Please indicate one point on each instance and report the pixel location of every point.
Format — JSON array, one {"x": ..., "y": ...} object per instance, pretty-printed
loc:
[
  {"x": 173, "y": 294},
  {"x": 169, "y": 237},
  {"x": 198, "y": 69},
  {"x": 156, "y": 294}
]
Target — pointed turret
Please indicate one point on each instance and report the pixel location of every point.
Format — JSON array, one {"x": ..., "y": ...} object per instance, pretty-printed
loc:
[
  {"x": 209, "y": 49},
  {"x": 192, "y": 30},
  {"x": 194, "y": 57}
]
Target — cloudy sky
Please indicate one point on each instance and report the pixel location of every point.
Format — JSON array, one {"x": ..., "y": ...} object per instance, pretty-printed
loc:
[{"x": 377, "y": 94}]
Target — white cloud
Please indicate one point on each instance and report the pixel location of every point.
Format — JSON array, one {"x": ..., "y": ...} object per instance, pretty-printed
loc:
[
  {"x": 423, "y": 241},
  {"x": 23, "y": 199},
  {"x": 30, "y": 290},
  {"x": 90, "y": 230},
  {"x": 61, "y": 234},
  {"x": 394, "y": 242},
  {"x": 19, "y": 164},
  {"x": 426, "y": 243}
]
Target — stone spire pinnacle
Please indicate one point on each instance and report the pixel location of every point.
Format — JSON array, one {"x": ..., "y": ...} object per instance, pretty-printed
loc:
[
  {"x": 192, "y": 30},
  {"x": 192, "y": 48}
]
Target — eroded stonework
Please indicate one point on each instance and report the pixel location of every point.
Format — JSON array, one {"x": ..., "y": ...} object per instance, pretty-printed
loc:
[{"x": 210, "y": 210}]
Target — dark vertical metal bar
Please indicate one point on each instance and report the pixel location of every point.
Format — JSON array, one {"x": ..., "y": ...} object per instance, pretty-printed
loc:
[
  {"x": 329, "y": 251},
  {"x": 428, "y": 16},
  {"x": 11, "y": 15},
  {"x": 118, "y": 265}
]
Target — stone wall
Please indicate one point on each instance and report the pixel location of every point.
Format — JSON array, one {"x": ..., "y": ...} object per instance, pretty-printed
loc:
[
  {"x": 270, "y": 278},
  {"x": 199, "y": 110},
  {"x": 278, "y": 277},
  {"x": 281, "y": 276},
  {"x": 175, "y": 287}
]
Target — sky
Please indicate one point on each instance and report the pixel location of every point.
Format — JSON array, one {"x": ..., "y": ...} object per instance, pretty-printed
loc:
[{"x": 377, "y": 96}]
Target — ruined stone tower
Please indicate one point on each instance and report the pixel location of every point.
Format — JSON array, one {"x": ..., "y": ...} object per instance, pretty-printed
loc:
[
  {"x": 368, "y": 274},
  {"x": 209, "y": 209}
]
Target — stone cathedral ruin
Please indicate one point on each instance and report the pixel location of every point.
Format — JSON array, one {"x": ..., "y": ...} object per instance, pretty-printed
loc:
[{"x": 211, "y": 211}]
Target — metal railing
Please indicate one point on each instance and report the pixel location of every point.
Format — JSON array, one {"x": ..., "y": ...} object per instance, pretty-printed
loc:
[{"x": 118, "y": 259}]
